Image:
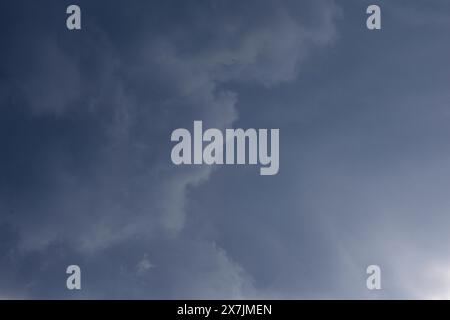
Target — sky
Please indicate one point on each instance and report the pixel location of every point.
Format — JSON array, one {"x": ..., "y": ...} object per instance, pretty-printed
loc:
[{"x": 86, "y": 176}]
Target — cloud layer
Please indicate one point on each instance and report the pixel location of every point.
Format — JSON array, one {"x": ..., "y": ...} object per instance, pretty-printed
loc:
[
  {"x": 86, "y": 176},
  {"x": 86, "y": 121}
]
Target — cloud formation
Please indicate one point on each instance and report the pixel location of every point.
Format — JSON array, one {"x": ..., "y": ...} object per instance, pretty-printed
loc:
[
  {"x": 86, "y": 176},
  {"x": 86, "y": 121}
]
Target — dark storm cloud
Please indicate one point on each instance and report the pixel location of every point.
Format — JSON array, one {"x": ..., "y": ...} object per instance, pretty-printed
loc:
[
  {"x": 85, "y": 167},
  {"x": 85, "y": 127}
]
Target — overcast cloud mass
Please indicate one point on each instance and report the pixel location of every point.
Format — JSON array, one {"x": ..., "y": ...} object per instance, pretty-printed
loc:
[{"x": 86, "y": 176}]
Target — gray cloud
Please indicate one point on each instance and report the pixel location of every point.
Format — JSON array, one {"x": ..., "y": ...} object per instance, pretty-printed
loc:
[
  {"x": 89, "y": 179},
  {"x": 85, "y": 151}
]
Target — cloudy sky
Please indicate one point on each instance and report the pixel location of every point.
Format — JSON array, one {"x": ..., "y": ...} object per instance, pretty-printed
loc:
[{"x": 86, "y": 176}]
